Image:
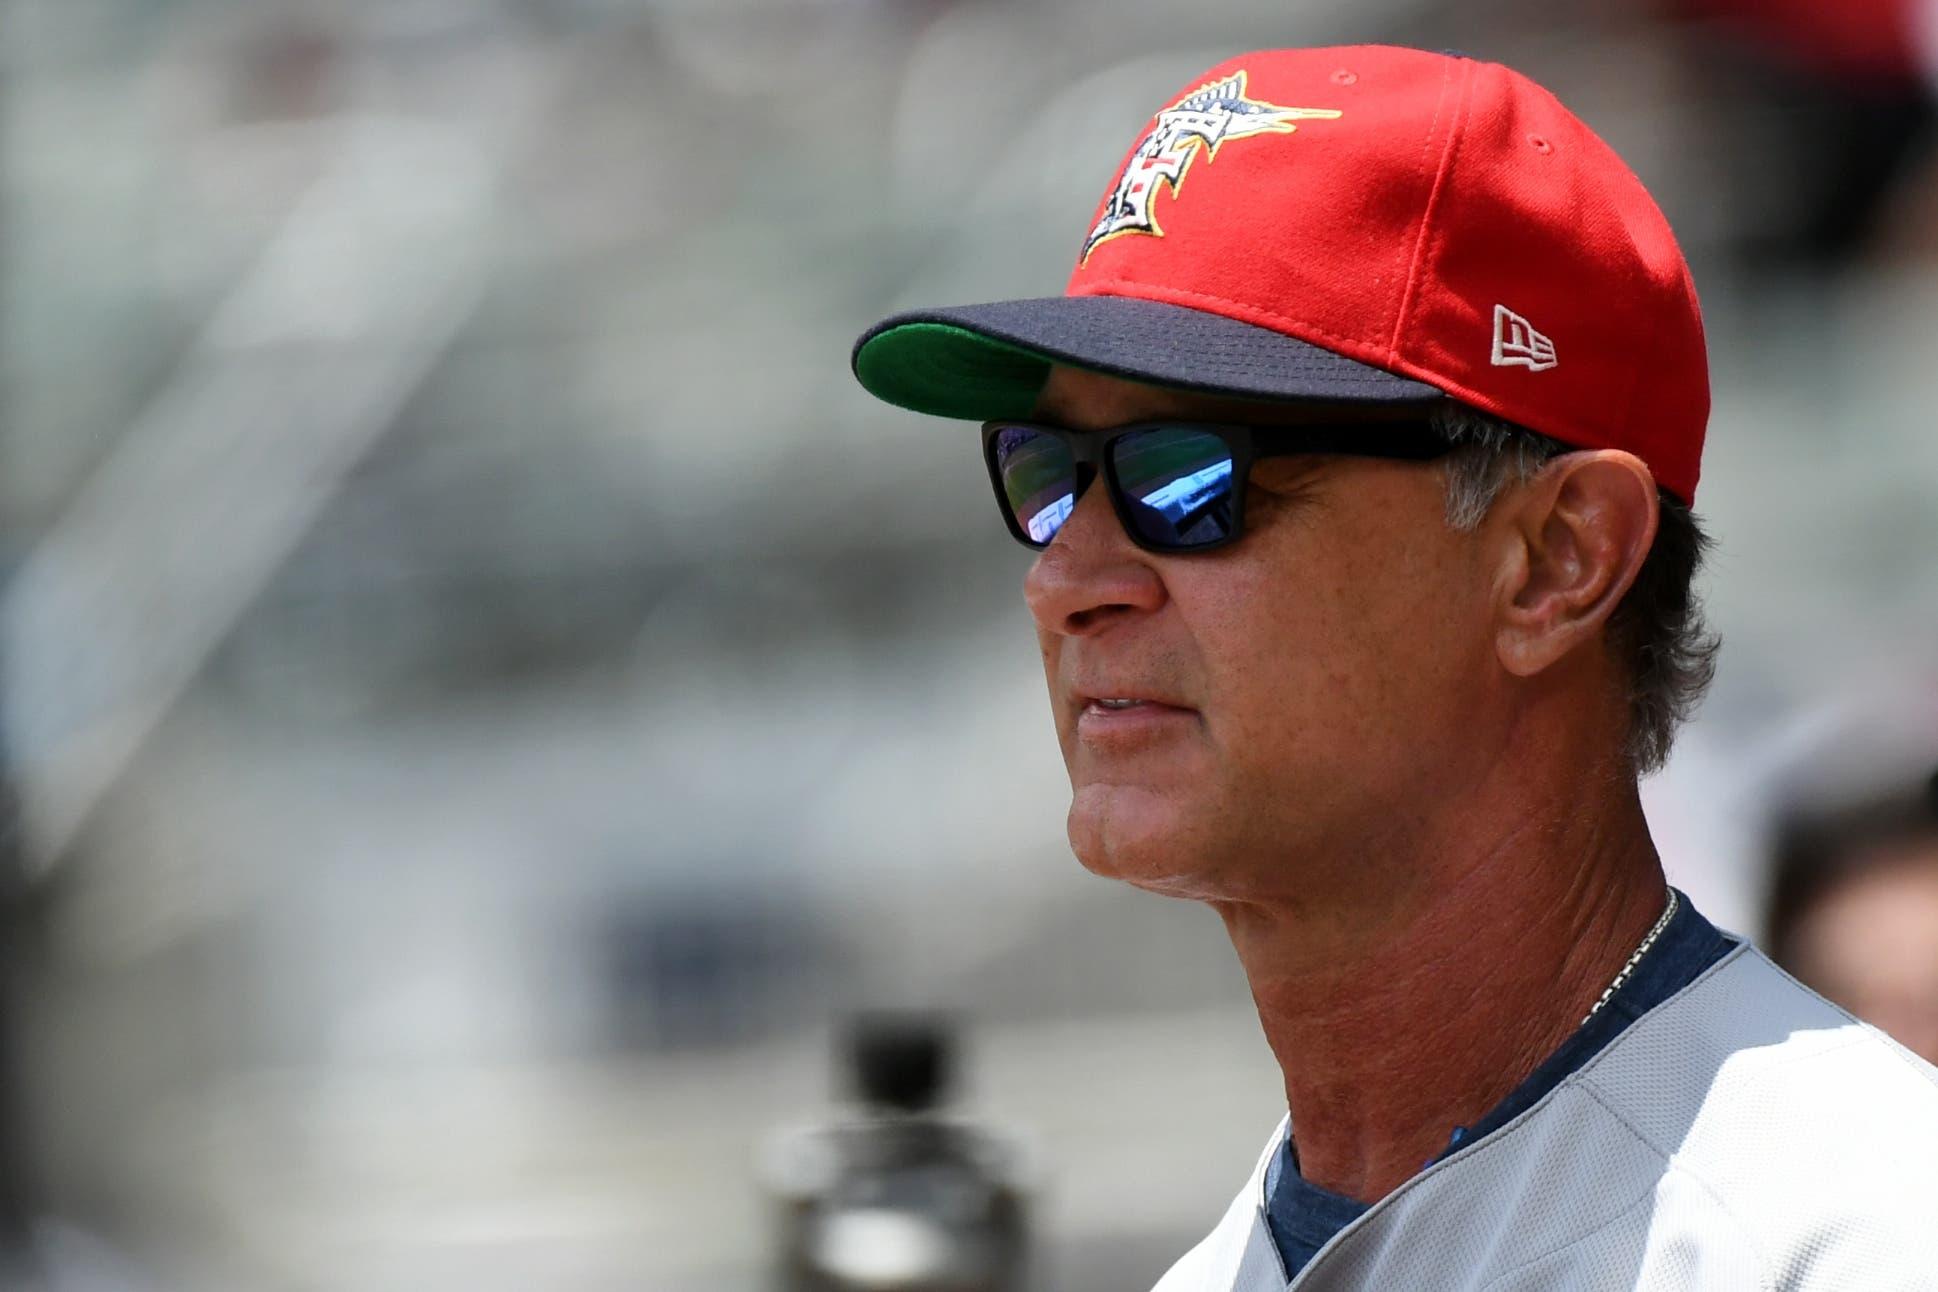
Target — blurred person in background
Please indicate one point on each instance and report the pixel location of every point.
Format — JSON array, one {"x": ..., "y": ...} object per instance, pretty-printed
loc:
[
  {"x": 1359, "y": 455},
  {"x": 1854, "y": 906}
]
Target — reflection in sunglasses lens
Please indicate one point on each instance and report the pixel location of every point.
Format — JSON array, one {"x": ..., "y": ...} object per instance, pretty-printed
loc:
[
  {"x": 1039, "y": 480},
  {"x": 1176, "y": 484}
]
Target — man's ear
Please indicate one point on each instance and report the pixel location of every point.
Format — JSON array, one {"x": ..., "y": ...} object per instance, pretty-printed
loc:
[{"x": 1574, "y": 538}]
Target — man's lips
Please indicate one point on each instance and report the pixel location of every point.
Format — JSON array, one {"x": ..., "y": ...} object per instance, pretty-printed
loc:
[
  {"x": 1125, "y": 704},
  {"x": 1121, "y": 692},
  {"x": 1106, "y": 711}
]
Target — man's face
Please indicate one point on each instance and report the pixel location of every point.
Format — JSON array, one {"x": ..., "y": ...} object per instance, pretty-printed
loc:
[
  {"x": 1308, "y": 692},
  {"x": 1871, "y": 943}
]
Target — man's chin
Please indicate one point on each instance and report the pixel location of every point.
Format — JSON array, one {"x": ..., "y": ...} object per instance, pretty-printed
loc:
[{"x": 1140, "y": 836}]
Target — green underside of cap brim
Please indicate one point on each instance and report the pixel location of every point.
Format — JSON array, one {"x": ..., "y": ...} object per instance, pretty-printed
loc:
[{"x": 950, "y": 371}]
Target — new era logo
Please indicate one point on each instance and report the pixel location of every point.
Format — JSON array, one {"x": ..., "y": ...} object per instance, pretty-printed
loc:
[{"x": 1516, "y": 342}]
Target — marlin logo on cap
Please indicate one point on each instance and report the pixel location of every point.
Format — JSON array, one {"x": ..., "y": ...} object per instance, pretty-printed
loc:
[{"x": 1210, "y": 115}]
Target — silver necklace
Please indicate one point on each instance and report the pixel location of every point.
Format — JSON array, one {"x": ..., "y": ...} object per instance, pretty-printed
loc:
[{"x": 1635, "y": 959}]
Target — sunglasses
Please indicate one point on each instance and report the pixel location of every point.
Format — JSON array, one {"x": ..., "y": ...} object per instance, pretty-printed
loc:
[{"x": 1175, "y": 486}]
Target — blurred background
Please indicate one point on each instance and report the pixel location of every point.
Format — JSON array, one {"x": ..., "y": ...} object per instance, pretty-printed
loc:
[{"x": 485, "y": 694}]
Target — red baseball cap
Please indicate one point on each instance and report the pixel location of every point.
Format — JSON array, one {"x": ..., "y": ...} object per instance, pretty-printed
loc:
[{"x": 1364, "y": 224}]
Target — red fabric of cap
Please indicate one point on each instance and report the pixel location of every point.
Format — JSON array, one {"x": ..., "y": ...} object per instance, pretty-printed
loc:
[{"x": 1452, "y": 223}]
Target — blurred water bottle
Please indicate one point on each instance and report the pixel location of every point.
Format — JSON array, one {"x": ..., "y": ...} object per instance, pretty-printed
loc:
[{"x": 897, "y": 1195}]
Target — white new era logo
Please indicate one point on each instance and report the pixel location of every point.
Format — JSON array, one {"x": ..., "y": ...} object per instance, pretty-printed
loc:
[{"x": 1516, "y": 341}]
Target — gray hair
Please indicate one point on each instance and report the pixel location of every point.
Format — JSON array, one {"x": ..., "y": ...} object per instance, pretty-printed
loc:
[{"x": 1658, "y": 626}]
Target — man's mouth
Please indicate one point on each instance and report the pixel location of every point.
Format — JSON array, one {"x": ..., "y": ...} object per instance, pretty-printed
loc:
[{"x": 1128, "y": 705}]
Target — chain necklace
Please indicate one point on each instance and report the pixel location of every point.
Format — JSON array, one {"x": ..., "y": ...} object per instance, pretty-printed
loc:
[{"x": 1635, "y": 959}]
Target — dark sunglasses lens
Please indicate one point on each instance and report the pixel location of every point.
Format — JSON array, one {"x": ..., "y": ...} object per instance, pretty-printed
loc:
[
  {"x": 1039, "y": 479},
  {"x": 1176, "y": 483}
]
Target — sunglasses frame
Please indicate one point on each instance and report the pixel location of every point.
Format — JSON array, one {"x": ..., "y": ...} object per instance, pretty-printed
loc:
[{"x": 1411, "y": 440}]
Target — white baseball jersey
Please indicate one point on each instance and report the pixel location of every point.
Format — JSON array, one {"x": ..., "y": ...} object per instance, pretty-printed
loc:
[{"x": 1744, "y": 1134}]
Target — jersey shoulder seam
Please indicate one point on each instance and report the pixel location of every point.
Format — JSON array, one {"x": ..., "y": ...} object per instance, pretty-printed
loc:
[{"x": 1670, "y": 1163}]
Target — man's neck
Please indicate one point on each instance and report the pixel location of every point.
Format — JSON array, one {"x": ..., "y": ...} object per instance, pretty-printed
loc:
[{"x": 1393, "y": 1030}]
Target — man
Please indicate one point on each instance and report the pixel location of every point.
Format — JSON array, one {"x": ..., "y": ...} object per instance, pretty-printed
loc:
[
  {"x": 1358, "y": 455},
  {"x": 1853, "y": 901}
]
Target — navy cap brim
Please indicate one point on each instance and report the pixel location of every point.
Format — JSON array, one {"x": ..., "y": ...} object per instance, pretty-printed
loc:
[{"x": 982, "y": 362}]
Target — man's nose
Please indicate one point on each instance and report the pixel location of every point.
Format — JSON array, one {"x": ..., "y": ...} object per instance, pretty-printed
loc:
[{"x": 1091, "y": 575}]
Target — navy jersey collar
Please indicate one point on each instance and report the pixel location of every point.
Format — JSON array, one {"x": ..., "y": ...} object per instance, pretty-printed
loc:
[{"x": 1302, "y": 1217}]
